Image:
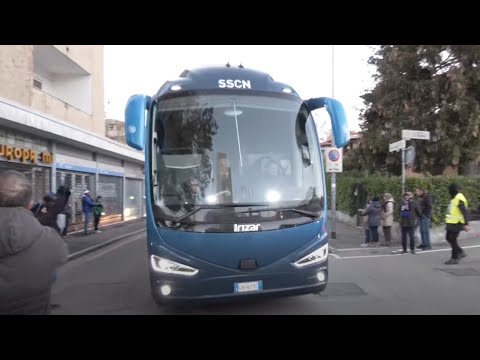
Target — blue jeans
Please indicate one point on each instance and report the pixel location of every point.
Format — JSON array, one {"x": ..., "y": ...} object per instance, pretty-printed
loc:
[
  {"x": 87, "y": 220},
  {"x": 374, "y": 233},
  {"x": 367, "y": 236},
  {"x": 425, "y": 231}
]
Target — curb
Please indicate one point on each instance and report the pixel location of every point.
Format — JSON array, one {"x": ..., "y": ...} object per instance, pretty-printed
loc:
[
  {"x": 129, "y": 222},
  {"x": 93, "y": 248}
]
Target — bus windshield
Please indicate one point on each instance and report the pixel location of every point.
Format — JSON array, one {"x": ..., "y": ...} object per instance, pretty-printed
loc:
[{"x": 215, "y": 151}]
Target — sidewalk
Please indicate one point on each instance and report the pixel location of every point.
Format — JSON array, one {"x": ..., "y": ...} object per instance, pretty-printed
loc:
[
  {"x": 348, "y": 236},
  {"x": 80, "y": 244},
  {"x": 351, "y": 237}
]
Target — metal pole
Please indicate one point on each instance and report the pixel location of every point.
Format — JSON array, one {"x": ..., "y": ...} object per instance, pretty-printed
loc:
[
  {"x": 333, "y": 233},
  {"x": 53, "y": 173},
  {"x": 403, "y": 171}
]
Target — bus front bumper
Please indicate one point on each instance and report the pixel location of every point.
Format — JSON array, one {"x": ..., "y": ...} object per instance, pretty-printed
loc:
[{"x": 168, "y": 288}]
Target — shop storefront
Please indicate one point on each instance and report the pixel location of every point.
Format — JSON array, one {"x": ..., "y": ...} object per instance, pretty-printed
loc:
[
  {"x": 28, "y": 155},
  {"x": 110, "y": 188},
  {"x": 52, "y": 153},
  {"x": 134, "y": 202},
  {"x": 77, "y": 182}
]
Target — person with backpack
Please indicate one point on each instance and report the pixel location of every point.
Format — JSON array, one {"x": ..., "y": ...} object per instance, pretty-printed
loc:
[{"x": 409, "y": 214}]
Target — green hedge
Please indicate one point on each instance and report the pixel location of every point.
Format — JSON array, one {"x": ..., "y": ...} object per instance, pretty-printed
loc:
[{"x": 376, "y": 185}]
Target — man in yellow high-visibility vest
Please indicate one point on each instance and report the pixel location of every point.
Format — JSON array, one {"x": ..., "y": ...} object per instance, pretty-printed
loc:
[{"x": 456, "y": 220}]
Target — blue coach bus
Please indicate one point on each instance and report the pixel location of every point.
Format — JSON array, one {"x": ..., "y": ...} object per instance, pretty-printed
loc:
[{"x": 235, "y": 185}]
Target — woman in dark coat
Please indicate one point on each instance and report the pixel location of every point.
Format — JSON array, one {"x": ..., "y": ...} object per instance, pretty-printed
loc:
[{"x": 54, "y": 205}]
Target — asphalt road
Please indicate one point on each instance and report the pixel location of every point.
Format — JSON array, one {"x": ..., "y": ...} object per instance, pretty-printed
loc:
[{"x": 114, "y": 280}]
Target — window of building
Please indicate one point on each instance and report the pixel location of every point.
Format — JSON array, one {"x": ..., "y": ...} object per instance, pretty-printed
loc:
[
  {"x": 37, "y": 84},
  {"x": 62, "y": 78}
]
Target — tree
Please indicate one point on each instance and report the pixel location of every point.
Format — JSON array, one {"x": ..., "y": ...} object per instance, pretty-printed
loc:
[{"x": 422, "y": 87}]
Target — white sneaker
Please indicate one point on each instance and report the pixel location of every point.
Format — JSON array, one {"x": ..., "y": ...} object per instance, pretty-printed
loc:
[
  {"x": 97, "y": 231},
  {"x": 364, "y": 245}
]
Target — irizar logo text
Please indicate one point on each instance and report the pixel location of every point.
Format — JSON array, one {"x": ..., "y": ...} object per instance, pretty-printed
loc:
[{"x": 246, "y": 227}]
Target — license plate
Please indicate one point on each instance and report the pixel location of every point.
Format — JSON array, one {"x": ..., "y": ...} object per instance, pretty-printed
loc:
[{"x": 248, "y": 286}]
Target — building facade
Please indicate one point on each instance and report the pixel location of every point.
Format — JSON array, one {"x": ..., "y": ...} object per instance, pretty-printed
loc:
[
  {"x": 52, "y": 128},
  {"x": 115, "y": 130}
]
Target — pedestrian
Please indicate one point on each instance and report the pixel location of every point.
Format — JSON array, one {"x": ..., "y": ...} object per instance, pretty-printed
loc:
[
  {"x": 97, "y": 213},
  {"x": 30, "y": 253},
  {"x": 409, "y": 214},
  {"x": 67, "y": 211},
  {"x": 373, "y": 211},
  {"x": 87, "y": 205},
  {"x": 456, "y": 220},
  {"x": 426, "y": 208},
  {"x": 51, "y": 214},
  {"x": 386, "y": 217},
  {"x": 365, "y": 227}
]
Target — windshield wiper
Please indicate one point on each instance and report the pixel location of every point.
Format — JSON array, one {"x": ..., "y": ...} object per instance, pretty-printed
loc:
[
  {"x": 312, "y": 214},
  {"x": 203, "y": 207}
]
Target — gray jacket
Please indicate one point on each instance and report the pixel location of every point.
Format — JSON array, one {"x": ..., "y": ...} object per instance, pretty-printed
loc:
[
  {"x": 373, "y": 212},
  {"x": 29, "y": 257}
]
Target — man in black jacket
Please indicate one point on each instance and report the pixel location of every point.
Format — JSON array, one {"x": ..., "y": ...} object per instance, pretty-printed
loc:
[
  {"x": 409, "y": 213},
  {"x": 29, "y": 252},
  {"x": 426, "y": 208}
]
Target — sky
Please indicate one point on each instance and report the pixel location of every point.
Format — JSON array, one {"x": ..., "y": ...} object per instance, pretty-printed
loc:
[{"x": 142, "y": 69}]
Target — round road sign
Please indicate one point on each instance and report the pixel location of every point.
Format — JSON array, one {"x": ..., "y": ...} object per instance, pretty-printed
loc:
[{"x": 333, "y": 155}]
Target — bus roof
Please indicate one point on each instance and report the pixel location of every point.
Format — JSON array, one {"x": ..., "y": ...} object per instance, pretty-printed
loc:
[{"x": 224, "y": 77}]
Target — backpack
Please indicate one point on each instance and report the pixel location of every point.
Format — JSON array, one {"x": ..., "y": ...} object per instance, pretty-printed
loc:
[{"x": 405, "y": 210}]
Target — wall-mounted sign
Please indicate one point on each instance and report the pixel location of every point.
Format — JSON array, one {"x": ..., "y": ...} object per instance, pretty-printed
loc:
[{"x": 25, "y": 155}]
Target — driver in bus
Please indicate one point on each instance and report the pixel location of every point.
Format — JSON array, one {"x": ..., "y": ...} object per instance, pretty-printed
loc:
[
  {"x": 273, "y": 169},
  {"x": 191, "y": 189}
]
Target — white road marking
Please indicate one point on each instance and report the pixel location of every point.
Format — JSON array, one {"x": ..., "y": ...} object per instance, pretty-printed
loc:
[
  {"x": 395, "y": 254},
  {"x": 363, "y": 248}
]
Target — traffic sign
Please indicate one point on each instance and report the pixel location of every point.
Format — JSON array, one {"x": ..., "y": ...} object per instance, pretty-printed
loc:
[
  {"x": 334, "y": 159},
  {"x": 415, "y": 134},
  {"x": 399, "y": 145}
]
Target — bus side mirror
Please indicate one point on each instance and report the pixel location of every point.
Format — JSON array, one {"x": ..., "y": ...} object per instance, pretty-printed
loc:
[
  {"x": 337, "y": 118},
  {"x": 135, "y": 124}
]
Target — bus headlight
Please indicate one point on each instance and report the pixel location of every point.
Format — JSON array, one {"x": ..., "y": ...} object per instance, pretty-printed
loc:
[
  {"x": 317, "y": 256},
  {"x": 171, "y": 267}
]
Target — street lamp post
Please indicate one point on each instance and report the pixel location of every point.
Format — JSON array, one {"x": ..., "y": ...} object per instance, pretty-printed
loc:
[{"x": 333, "y": 190}]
